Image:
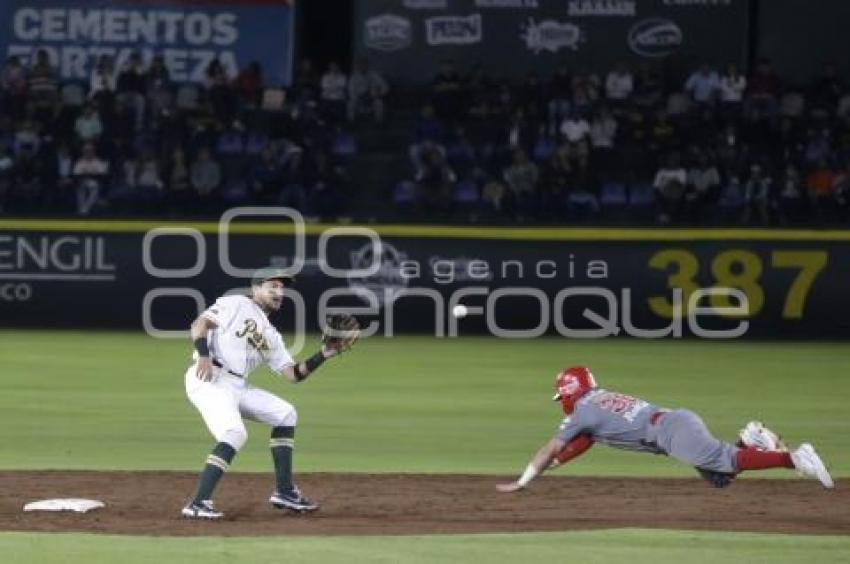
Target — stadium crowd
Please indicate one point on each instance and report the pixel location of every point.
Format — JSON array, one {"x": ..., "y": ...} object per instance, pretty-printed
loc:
[
  {"x": 713, "y": 147},
  {"x": 130, "y": 141},
  {"x": 630, "y": 146}
]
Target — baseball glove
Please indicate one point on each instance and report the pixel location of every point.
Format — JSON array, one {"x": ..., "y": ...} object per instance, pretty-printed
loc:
[{"x": 341, "y": 332}]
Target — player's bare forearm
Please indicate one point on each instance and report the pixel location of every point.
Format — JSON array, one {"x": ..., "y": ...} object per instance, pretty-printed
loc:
[
  {"x": 199, "y": 329},
  {"x": 539, "y": 463},
  {"x": 299, "y": 372}
]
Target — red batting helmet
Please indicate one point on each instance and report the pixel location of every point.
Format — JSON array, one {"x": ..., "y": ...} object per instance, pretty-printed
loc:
[{"x": 572, "y": 383}]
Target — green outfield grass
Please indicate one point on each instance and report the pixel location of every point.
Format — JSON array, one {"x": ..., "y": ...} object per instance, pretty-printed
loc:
[
  {"x": 101, "y": 400},
  {"x": 656, "y": 547},
  {"x": 413, "y": 404}
]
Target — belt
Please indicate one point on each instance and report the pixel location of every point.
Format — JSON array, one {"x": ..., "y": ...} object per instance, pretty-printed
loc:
[
  {"x": 656, "y": 417},
  {"x": 218, "y": 363}
]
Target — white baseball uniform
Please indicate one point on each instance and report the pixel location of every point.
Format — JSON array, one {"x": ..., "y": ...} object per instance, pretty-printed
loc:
[{"x": 242, "y": 340}]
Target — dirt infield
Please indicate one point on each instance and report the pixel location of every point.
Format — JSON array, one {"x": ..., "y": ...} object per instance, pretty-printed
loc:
[{"x": 148, "y": 503}]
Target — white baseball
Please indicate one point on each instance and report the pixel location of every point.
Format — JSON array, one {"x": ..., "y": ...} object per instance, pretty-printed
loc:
[{"x": 459, "y": 311}]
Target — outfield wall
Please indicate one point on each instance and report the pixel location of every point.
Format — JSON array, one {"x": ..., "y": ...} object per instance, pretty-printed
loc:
[{"x": 529, "y": 281}]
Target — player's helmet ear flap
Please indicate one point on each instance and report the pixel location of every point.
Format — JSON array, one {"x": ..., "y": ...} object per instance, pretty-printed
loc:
[{"x": 571, "y": 384}]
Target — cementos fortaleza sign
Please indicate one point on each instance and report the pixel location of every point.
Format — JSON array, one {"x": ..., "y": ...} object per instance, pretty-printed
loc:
[{"x": 188, "y": 34}]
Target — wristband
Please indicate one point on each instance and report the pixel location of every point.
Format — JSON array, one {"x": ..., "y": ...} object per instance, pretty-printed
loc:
[
  {"x": 202, "y": 346},
  {"x": 310, "y": 365}
]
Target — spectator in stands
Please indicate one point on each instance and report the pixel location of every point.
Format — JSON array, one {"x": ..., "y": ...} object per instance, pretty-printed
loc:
[
  {"x": 265, "y": 176},
  {"x": 249, "y": 85},
  {"x": 43, "y": 82},
  {"x": 334, "y": 85},
  {"x": 295, "y": 180},
  {"x": 103, "y": 82},
  {"x": 7, "y": 169},
  {"x": 703, "y": 85},
  {"x": 28, "y": 179},
  {"x": 428, "y": 131},
  {"x": 205, "y": 176},
  {"x": 530, "y": 97},
  {"x": 826, "y": 91},
  {"x": 13, "y": 88},
  {"x": 326, "y": 197},
  {"x": 366, "y": 92},
  {"x": 669, "y": 185},
  {"x": 178, "y": 181},
  {"x": 143, "y": 178},
  {"x": 585, "y": 91},
  {"x": 560, "y": 99},
  {"x": 131, "y": 87},
  {"x": 27, "y": 138},
  {"x": 841, "y": 190},
  {"x": 603, "y": 132},
  {"x": 758, "y": 196},
  {"x": 306, "y": 84},
  {"x": 619, "y": 84},
  {"x": 820, "y": 185},
  {"x": 522, "y": 178},
  {"x": 554, "y": 185},
  {"x": 582, "y": 203},
  {"x": 791, "y": 197},
  {"x": 88, "y": 126},
  {"x": 763, "y": 89},
  {"x": 159, "y": 89},
  {"x": 703, "y": 186},
  {"x": 434, "y": 180},
  {"x": 663, "y": 136},
  {"x": 733, "y": 84},
  {"x": 649, "y": 89},
  {"x": 575, "y": 131},
  {"x": 220, "y": 91},
  {"x": 447, "y": 93},
  {"x": 90, "y": 174}
]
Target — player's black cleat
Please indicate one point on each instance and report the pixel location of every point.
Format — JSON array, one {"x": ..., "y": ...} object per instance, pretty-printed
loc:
[{"x": 292, "y": 499}]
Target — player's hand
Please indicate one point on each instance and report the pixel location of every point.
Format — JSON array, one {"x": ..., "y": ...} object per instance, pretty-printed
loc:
[
  {"x": 204, "y": 370},
  {"x": 508, "y": 488},
  {"x": 329, "y": 352}
]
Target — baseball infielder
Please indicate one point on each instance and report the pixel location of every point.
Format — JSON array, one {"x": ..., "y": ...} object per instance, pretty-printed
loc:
[
  {"x": 626, "y": 422},
  {"x": 232, "y": 338}
]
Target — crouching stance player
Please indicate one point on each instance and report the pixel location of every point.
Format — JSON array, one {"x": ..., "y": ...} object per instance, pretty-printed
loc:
[
  {"x": 232, "y": 338},
  {"x": 598, "y": 415}
]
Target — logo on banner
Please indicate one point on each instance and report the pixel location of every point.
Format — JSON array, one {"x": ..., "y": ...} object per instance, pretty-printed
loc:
[
  {"x": 426, "y": 4},
  {"x": 655, "y": 37},
  {"x": 388, "y": 32},
  {"x": 454, "y": 30},
  {"x": 506, "y": 3},
  {"x": 550, "y": 35},
  {"x": 384, "y": 284},
  {"x": 697, "y": 2},
  {"x": 579, "y": 8}
]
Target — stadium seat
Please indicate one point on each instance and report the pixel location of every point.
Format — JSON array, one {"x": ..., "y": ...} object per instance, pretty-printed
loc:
[
  {"x": 73, "y": 95},
  {"x": 466, "y": 192},
  {"x": 404, "y": 193},
  {"x": 613, "y": 194},
  {"x": 188, "y": 97},
  {"x": 344, "y": 144},
  {"x": 273, "y": 99},
  {"x": 641, "y": 194}
]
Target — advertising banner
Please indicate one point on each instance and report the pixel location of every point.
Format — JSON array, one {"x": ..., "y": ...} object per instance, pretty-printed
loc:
[
  {"x": 579, "y": 284},
  {"x": 189, "y": 34},
  {"x": 408, "y": 39}
]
